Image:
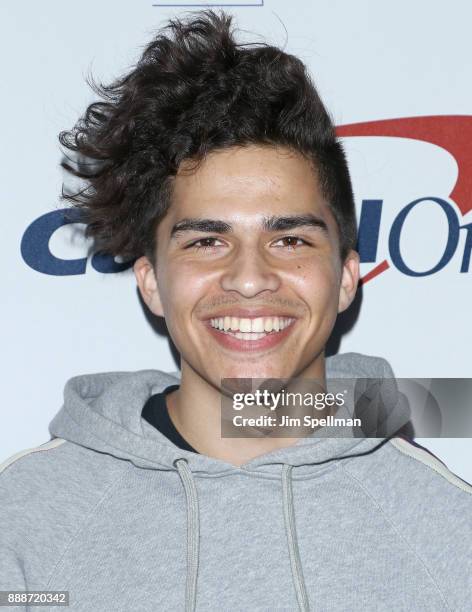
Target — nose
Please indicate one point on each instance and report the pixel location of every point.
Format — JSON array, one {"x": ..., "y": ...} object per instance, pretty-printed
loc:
[{"x": 249, "y": 273}]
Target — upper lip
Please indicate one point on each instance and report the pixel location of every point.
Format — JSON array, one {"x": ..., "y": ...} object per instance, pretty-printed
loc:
[{"x": 248, "y": 313}]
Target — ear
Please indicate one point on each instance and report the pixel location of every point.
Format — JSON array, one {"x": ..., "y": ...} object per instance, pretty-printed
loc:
[
  {"x": 147, "y": 283},
  {"x": 349, "y": 280}
]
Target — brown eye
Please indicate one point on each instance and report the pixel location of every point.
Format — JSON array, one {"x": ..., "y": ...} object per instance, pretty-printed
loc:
[
  {"x": 202, "y": 243},
  {"x": 291, "y": 241}
]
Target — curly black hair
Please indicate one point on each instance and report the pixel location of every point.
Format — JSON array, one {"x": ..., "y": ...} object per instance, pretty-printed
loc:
[{"x": 194, "y": 90}]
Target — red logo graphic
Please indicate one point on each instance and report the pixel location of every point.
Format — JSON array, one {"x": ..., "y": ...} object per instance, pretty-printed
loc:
[{"x": 451, "y": 132}]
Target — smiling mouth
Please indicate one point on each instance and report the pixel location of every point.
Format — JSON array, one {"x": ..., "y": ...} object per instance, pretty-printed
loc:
[{"x": 251, "y": 330}]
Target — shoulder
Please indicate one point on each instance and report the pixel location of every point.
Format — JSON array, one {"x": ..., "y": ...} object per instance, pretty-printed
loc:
[
  {"x": 424, "y": 461},
  {"x": 428, "y": 506},
  {"x": 56, "y": 464},
  {"x": 47, "y": 492},
  {"x": 52, "y": 444},
  {"x": 56, "y": 474},
  {"x": 406, "y": 477}
]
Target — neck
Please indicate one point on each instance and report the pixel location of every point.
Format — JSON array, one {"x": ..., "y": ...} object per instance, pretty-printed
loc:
[{"x": 195, "y": 409}]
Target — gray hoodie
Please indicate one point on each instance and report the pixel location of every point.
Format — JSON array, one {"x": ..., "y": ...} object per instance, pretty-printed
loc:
[{"x": 113, "y": 512}]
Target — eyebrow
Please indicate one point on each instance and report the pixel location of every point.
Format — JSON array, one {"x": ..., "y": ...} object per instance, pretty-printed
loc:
[{"x": 269, "y": 224}]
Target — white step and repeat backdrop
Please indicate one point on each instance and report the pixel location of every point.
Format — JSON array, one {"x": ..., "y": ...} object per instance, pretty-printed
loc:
[{"x": 396, "y": 78}]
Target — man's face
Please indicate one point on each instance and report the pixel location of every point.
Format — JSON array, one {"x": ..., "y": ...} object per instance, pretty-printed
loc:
[{"x": 264, "y": 258}]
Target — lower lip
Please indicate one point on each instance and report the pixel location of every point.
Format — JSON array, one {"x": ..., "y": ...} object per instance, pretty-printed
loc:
[{"x": 235, "y": 344}]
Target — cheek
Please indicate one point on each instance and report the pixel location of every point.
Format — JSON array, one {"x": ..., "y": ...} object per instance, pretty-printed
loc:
[
  {"x": 184, "y": 287},
  {"x": 316, "y": 281}
]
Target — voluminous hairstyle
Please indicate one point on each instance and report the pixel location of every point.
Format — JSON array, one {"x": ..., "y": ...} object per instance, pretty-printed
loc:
[{"x": 194, "y": 90}]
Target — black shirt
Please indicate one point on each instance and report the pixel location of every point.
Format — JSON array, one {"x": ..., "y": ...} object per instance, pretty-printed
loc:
[{"x": 156, "y": 414}]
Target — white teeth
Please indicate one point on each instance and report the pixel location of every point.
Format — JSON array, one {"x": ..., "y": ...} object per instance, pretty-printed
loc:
[
  {"x": 248, "y": 336},
  {"x": 251, "y": 326},
  {"x": 257, "y": 325},
  {"x": 245, "y": 325}
]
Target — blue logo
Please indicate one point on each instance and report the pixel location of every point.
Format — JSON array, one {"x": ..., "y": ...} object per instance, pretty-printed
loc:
[
  {"x": 369, "y": 227},
  {"x": 37, "y": 255}
]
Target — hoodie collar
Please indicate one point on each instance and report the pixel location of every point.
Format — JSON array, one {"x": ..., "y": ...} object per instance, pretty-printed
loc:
[{"x": 102, "y": 412}]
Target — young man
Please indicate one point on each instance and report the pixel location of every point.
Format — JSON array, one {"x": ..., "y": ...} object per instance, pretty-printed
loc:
[{"x": 216, "y": 167}]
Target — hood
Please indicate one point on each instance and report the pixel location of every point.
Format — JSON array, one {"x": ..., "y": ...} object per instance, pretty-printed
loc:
[{"x": 102, "y": 412}]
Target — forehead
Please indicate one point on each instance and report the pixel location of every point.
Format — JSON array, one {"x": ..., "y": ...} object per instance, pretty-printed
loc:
[{"x": 248, "y": 180}]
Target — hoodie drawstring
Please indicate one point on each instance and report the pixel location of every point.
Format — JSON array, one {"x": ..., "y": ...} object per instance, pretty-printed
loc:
[
  {"x": 193, "y": 533},
  {"x": 289, "y": 517},
  {"x": 193, "y": 536}
]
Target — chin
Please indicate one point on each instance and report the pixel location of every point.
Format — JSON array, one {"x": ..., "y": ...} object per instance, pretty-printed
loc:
[{"x": 255, "y": 371}]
